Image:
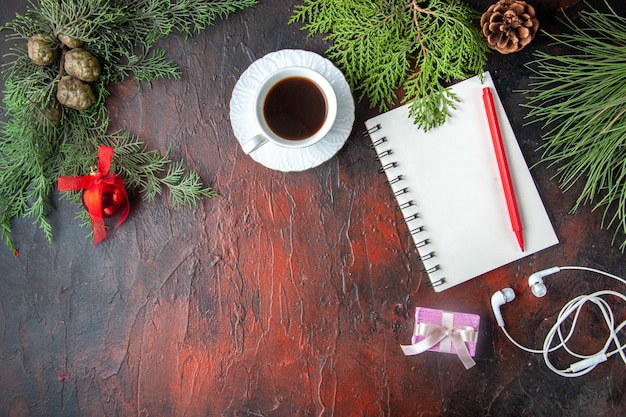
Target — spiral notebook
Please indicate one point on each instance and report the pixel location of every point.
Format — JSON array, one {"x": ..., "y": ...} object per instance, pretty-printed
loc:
[{"x": 447, "y": 185}]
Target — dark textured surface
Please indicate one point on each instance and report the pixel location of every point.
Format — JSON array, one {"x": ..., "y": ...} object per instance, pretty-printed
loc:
[{"x": 290, "y": 294}]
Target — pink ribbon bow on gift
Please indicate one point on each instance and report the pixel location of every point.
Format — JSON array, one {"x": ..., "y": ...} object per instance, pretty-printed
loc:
[{"x": 447, "y": 335}]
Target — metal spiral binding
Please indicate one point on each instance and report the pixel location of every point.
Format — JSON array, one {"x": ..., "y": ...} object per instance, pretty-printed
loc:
[
  {"x": 371, "y": 130},
  {"x": 431, "y": 269},
  {"x": 421, "y": 244},
  {"x": 429, "y": 255},
  {"x": 383, "y": 154},
  {"x": 394, "y": 180},
  {"x": 412, "y": 217},
  {"x": 378, "y": 142},
  {"x": 416, "y": 230},
  {"x": 400, "y": 192},
  {"x": 437, "y": 283},
  {"x": 387, "y": 166}
]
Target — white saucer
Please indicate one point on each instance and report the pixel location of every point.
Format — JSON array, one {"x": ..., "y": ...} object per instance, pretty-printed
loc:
[{"x": 277, "y": 157}]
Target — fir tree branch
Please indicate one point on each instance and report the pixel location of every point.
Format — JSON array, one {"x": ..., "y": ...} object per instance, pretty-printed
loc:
[
  {"x": 185, "y": 187},
  {"x": 147, "y": 66},
  {"x": 579, "y": 98},
  {"x": 36, "y": 148},
  {"x": 384, "y": 47},
  {"x": 150, "y": 171}
]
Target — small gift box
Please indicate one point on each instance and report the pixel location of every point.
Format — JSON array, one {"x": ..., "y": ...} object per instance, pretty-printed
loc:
[{"x": 444, "y": 331}]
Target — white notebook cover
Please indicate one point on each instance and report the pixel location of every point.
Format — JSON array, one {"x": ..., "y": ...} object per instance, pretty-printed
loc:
[{"x": 454, "y": 192}]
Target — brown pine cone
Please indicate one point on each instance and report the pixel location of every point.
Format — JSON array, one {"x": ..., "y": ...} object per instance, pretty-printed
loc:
[
  {"x": 41, "y": 50},
  {"x": 81, "y": 64},
  {"x": 75, "y": 94},
  {"x": 509, "y": 25},
  {"x": 69, "y": 41},
  {"x": 53, "y": 114}
]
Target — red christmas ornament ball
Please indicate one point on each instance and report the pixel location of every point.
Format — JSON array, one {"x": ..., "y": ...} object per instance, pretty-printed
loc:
[{"x": 113, "y": 199}]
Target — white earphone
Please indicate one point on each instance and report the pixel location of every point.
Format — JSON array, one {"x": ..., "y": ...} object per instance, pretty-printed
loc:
[{"x": 586, "y": 363}]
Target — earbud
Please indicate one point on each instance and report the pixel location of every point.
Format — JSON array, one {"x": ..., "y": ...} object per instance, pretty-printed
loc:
[
  {"x": 537, "y": 286},
  {"x": 535, "y": 281},
  {"x": 498, "y": 299}
]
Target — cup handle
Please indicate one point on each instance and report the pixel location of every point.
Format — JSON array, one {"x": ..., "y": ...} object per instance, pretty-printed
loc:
[{"x": 254, "y": 143}]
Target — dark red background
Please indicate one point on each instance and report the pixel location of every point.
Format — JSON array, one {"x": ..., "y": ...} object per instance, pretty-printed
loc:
[{"x": 290, "y": 294}]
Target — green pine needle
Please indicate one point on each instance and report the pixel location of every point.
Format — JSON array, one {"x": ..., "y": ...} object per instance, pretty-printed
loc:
[
  {"x": 391, "y": 45},
  {"x": 580, "y": 99}
]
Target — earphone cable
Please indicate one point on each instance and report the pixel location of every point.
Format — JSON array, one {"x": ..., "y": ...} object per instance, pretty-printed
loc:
[
  {"x": 559, "y": 332},
  {"x": 597, "y": 271},
  {"x": 588, "y": 362}
]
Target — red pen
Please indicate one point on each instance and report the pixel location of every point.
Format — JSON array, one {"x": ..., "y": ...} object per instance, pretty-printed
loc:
[{"x": 503, "y": 166}]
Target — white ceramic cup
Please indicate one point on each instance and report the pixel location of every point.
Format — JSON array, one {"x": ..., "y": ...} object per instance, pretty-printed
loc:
[{"x": 266, "y": 134}]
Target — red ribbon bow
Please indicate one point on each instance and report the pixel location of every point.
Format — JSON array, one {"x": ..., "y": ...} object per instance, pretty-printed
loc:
[{"x": 93, "y": 185}]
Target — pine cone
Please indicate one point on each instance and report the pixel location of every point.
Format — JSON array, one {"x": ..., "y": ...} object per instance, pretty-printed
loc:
[
  {"x": 509, "y": 25},
  {"x": 69, "y": 41},
  {"x": 75, "y": 94},
  {"x": 82, "y": 65},
  {"x": 41, "y": 50},
  {"x": 53, "y": 114}
]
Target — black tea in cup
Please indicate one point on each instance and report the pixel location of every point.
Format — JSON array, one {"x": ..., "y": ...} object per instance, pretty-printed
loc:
[{"x": 295, "y": 108}]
